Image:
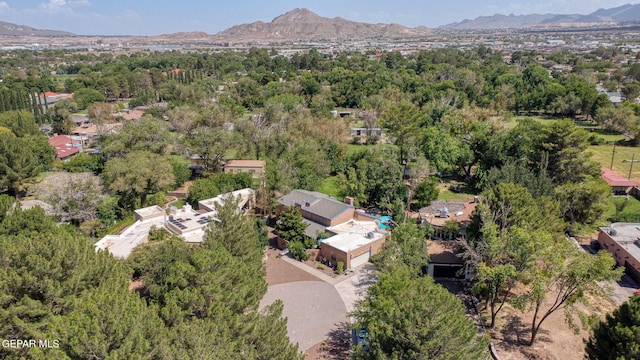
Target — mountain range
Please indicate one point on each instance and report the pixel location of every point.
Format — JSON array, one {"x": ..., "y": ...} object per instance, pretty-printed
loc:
[
  {"x": 10, "y": 29},
  {"x": 304, "y": 25},
  {"x": 620, "y": 14}
]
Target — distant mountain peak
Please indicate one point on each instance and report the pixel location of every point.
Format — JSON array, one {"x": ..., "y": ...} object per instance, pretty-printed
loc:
[
  {"x": 303, "y": 24},
  {"x": 296, "y": 15}
]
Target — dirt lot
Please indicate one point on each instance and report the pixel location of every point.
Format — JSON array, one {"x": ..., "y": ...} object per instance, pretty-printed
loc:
[
  {"x": 555, "y": 340},
  {"x": 280, "y": 271}
]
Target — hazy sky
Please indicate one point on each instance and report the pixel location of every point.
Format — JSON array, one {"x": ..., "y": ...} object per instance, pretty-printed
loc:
[{"x": 154, "y": 17}]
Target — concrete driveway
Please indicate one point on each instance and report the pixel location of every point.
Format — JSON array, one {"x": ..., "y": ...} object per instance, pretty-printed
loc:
[
  {"x": 313, "y": 309},
  {"x": 623, "y": 290},
  {"x": 353, "y": 287}
]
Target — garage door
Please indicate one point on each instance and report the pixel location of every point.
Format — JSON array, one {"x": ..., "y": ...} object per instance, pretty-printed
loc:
[{"x": 360, "y": 259}]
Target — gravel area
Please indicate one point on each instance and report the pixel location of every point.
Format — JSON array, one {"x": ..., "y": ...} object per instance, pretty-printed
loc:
[{"x": 281, "y": 272}]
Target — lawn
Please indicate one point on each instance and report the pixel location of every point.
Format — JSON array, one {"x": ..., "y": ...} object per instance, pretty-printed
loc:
[
  {"x": 61, "y": 79},
  {"x": 352, "y": 148},
  {"x": 621, "y": 159},
  {"x": 513, "y": 121},
  {"x": 608, "y": 136},
  {"x": 329, "y": 186},
  {"x": 630, "y": 212},
  {"x": 447, "y": 194}
]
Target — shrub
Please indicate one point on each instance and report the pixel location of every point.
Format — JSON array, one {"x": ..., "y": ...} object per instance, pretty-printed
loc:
[
  {"x": 340, "y": 267},
  {"x": 372, "y": 140},
  {"x": 594, "y": 139},
  {"x": 298, "y": 251}
]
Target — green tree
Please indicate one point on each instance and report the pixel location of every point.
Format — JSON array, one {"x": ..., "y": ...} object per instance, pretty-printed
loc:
[
  {"x": 181, "y": 171},
  {"x": 298, "y": 250},
  {"x": 16, "y": 165},
  {"x": 402, "y": 121},
  {"x": 414, "y": 318},
  {"x": 21, "y": 123},
  {"x": 84, "y": 162},
  {"x": 97, "y": 326},
  {"x": 494, "y": 283},
  {"x": 406, "y": 247},
  {"x": 211, "y": 144},
  {"x": 444, "y": 151},
  {"x": 217, "y": 184},
  {"x": 565, "y": 275},
  {"x": 585, "y": 202},
  {"x": 137, "y": 175},
  {"x": 426, "y": 192},
  {"x": 148, "y": 134},
  {"x": 291, "y": 226},
  {"x": 236, "y": 232},
  {"x": 367, "y": 184},
  {"x": 617, "y": 337},
  {"x": 85, "y": 97},
  {"x": 565, "y": 146},
  {"x": 61, "y": 116}
]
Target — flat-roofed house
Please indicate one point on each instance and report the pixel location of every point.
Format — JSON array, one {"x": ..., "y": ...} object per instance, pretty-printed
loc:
[
  {"x": 185, "y": 222},
  {"x": 253, "y": 167},
  {"x": 353, "y": 244},
  {"x": 622, "y": 240}
]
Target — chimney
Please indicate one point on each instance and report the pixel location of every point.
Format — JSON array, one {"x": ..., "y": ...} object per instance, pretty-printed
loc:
[{"x": 349, "y": 200}]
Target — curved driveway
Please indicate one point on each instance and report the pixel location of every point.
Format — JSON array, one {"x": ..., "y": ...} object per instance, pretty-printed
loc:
[{"x": 312, "y": 308}]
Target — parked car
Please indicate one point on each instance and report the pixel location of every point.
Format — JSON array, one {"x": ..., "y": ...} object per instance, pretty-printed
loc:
[{"x": 363, "y": 337}]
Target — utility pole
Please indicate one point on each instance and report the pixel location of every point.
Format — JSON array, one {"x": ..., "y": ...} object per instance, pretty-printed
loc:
[
  {"x": 633, "y": 157},
  {"x": 613, "y": 152}
]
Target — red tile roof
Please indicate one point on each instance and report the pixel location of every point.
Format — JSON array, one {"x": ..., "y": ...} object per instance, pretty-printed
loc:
[
  {"x": 616, "y": 180},
  {"x": 245, "y": 163},
  {"x": 63, "y": 145}
]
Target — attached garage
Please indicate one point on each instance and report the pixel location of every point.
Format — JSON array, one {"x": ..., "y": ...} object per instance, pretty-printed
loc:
[
  {"x": 352, "y": 249},
  {"x": 360, "y": 259}
]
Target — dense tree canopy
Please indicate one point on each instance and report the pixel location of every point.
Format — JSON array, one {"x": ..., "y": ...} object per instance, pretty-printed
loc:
[
  {"x": 136, "y": 175},
  {"x": 414, "y": 318},
  {"x": 447, "y": 107},
  {"x": 197, "y": 302}
]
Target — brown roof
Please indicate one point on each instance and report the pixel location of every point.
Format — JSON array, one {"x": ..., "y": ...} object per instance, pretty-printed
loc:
[
  {"x": 430, "y": 213},
  {"x": 245, "y": 163},
  {"x": 64, "y": 146},
  {"x": 616, "y": 180},
  {"x": 132, "y": 115}
]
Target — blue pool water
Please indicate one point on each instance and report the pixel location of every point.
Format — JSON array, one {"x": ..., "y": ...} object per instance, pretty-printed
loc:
[{"x": 384, "y": 218}]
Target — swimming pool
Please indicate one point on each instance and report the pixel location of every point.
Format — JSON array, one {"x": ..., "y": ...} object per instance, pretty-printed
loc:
[{"x": 382, "y": 219}]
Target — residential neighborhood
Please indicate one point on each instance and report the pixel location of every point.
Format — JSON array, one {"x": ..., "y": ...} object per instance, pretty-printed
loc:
[{"x": 453, "y": 193}]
